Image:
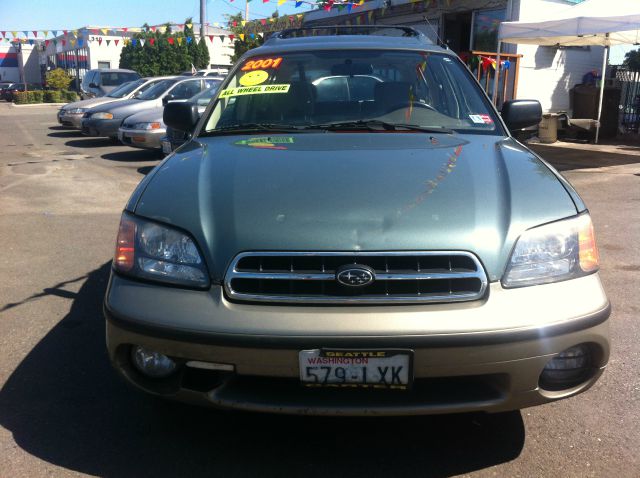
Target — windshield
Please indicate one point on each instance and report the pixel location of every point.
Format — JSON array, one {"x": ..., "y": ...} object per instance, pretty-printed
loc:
[
  {"x": 358, "y": 88},
  {"x": 204, "y": 97},
  {"x": 114, "y": 78},
  {"x": 157, "y": 90},
  {"x": 125, "y": 89}
]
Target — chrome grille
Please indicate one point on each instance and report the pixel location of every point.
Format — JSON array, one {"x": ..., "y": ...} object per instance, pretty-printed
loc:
[{"x": 400, "y": 277}]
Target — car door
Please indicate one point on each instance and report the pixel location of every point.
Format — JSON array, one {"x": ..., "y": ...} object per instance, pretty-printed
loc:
[{"x": 185, "y": 90}]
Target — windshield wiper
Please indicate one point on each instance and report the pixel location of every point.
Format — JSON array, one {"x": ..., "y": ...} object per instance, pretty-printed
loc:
[
  {"x": 378, "y": 125},
  {"x": 253, "y": 127}
]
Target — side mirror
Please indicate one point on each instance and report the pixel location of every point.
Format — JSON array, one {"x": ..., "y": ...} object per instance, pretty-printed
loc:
[
  {"x": 518, "y": 114},
  {"x": 181, "y": 116},
  {"x": 167, "y": 99},
  {"x": 93, "y": 85}
]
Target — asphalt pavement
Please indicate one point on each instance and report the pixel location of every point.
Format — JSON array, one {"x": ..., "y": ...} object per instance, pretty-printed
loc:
[{"x": 64, "y": 412}]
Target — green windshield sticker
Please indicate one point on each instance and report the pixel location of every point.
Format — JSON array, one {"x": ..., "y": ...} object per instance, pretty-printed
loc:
[{"x": 254, "y": 90}]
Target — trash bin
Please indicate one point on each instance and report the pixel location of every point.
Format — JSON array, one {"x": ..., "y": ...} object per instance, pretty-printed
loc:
[{"x": 548, "y": 128}]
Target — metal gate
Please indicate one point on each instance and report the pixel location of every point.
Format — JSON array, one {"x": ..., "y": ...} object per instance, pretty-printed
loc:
[{"x": 629, "y": 82}]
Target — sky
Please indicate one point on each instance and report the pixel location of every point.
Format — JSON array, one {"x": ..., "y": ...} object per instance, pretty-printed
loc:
[{"x": 72, "y": 14}]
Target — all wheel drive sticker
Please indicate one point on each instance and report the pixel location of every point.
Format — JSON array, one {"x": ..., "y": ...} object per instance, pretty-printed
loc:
[{"x": 256, "y": 75}]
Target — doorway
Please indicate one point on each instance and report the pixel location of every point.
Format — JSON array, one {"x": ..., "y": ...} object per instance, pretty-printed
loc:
[{"x": 457, "y": 31}]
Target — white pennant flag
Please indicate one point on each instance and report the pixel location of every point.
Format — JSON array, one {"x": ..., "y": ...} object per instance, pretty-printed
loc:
[{"x": 142, "y": 40}]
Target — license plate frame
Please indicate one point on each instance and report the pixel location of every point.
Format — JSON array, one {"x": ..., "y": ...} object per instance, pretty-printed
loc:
[{"x": 318, "y": 368}]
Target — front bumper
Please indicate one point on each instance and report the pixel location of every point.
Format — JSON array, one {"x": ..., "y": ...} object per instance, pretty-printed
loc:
[
  {"x": 98, "y": 127},
  {"x": 484, "y": 356},
  {"x": 73, "y": 120},
  {"x": 148, "y": 139}
]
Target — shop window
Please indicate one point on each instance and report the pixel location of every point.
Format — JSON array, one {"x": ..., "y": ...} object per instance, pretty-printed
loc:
[{"x": 485, "y": 29}]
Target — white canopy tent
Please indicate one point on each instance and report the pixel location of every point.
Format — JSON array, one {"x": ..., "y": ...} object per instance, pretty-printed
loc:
[{"x": 592, "y": 22}]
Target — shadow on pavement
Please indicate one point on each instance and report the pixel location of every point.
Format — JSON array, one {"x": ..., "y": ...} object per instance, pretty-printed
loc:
[
  {"x": 90, "y": 142},
  {"x": 133, "y": 154},
  {"x": 145, "y": 169},
  {"x": 66, "y": 406},
  {"x": 66, "y": 134},
  {"x": 566, "y": 158}
]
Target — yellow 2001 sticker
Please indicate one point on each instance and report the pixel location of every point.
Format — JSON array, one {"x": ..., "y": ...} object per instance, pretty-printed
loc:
[
  {"x": 254, "y": 90},
  {"x": 254, "y": 78}
]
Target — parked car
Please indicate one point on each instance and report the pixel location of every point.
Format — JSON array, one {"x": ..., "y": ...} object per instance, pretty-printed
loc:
[
  {"x": 405, "y": 256},
  {"x": 214, "y": 72},
  {"x": 105, "y": 120},
  {"x": 102, "y": 81},
  {"x": 176, "y": 138},
  {"x": 5, "y": 85},
  {"x": 8, "y": 93},
  {"x": 143, "y": 130},
  {"x": 71, "y": 114}
]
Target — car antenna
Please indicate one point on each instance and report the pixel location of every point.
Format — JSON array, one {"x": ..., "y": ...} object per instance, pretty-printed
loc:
[{"x": 440, "y": 40}]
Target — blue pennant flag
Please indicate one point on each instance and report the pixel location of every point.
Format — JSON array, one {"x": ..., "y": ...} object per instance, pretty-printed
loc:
[
  {"x": 349, "y": 7},
  {"x": 298, "y": 4},
  {"x": 134, "y": 41},
  {"x": 80, "y": 41},
  {"x": 189, "y": 39},
  {"x": 252, "y": 35}
]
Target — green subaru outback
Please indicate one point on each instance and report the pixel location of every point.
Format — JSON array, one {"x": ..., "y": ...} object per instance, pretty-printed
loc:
[{"x": 352, "y": 230}]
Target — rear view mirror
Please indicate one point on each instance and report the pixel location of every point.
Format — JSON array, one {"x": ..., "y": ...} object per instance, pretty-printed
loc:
[
  {"x": 167, "y": 99},
  {"x": 182, "y": 116},
  {"x": 351, "y": 69},
  {"x": 519, "y": 114}
]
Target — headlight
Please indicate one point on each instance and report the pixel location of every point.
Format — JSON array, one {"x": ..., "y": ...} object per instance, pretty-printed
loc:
[
  {"x": 75, "y": 111},
  {"x": 102, "y": 115},
  {"x": 147, "y": 126},
  {"x": 554, "y": 252},
  {"x": 149, "y": 250}
]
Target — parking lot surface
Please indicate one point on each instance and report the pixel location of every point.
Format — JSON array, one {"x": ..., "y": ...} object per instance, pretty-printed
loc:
[{"x": 64, "y": 412}]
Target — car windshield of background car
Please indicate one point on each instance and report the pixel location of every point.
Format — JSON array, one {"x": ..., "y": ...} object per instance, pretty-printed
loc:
[
  {"x": 318, "y": 88},
  {"x": 117, "y": 78},
  {"x": 125, "y": 89},
  {"x": 157, "y": 90}
]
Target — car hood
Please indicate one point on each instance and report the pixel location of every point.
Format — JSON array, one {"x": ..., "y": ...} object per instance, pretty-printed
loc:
[
  {"x": 147, "y": 116},
  {"x": 354, "y": 192},
  {"x": 90, "y": 103},
  {"x": 127, "y": 107}
]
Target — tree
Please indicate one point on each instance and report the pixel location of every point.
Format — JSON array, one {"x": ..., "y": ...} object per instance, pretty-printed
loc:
[
  {"x": 164, "y": 52},
  {"x": 240, "y": 45},
  {"x": 58, "y": 79},
  {"x": 632, "y": 60}
]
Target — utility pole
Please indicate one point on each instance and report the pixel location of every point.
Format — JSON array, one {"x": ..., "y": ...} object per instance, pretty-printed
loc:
[
  {"x": 203, "y": 19},
  {"x": 246, "y": 10}
]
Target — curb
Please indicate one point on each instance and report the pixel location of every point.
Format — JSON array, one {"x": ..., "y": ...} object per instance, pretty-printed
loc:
[{"x": 31, "y": 105}]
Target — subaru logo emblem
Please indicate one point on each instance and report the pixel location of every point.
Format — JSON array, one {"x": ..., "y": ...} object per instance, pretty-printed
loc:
[{"x": 355, "y": 275}]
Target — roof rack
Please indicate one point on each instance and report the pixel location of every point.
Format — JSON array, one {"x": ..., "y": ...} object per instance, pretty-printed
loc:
[{"x": 324, "y": 30}]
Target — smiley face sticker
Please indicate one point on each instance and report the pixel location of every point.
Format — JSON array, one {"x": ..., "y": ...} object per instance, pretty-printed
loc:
[{"x": 254, "y": 78}]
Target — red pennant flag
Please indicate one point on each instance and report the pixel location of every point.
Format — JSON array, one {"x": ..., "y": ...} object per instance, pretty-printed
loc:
[
  {"x": 64, "y": 42},
  {"x": 265, "y": 1},
  {"x": 231, "y": 37},
  {"x": 95, "y": 31},
  {"x": 116, "y": 42},
  {"x": 152, "y": 41},
  {"x": 99, "y": 40},
  {"x": 291, "y": 19},
  {"x": 170, "y": 40},
  {"x": 211, "y": 38},
  {"x": 180, "y": 25},
  {"x": 4, "y": 34},
  {"x": 35, "y": 33},
  {"x": 235, "y": 24},
  {"x": 153, "y": 29},
  {"x": 46, "y": 43},
  {"x": 263, "y": 21},
  {"x": 64, "y": 32}
]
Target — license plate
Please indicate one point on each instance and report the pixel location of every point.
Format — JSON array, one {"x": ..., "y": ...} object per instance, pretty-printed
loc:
[
  {"x": 377, "y": 369},
  {"x": 166, "y": 147}
]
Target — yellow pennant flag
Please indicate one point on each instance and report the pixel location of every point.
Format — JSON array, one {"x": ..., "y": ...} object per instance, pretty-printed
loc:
[
  {"x": 243, "y": 22},
  {"x": 75, "y": 32},
  {"x": 280, "y": 2},
  {"x": 46, "y": 32},
  {"x": 104, "y": 31},
  {"x": 300, "y": 15},
  {"x": 216, "y": 24},
  {"x": 72, "y": 41},
  {"x": 271, "y": 20},
  {"x": 241, "y": 36},
  {"x": 189, "y": 25},
  {"x": 179, "y": 40},
  {"x": 361, "y": 2},
  {"x": 15, "y": 34}
]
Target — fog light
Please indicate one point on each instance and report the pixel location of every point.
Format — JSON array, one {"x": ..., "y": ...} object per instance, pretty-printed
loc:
[
  {"x": 567, "y": 369},
  {"x": 152, "y": 364}
]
